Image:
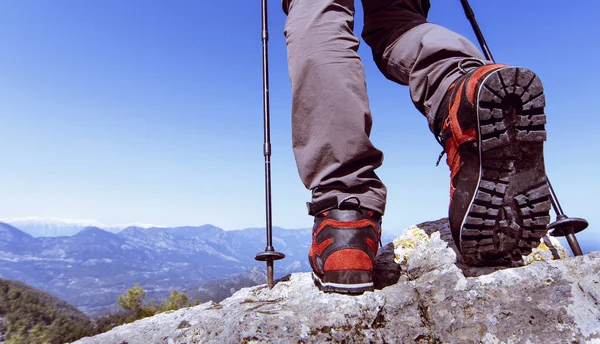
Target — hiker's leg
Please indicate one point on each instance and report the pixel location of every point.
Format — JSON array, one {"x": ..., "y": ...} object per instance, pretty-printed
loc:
[
  {"x": 331, "y": 120},
  {"x": 331, "y": 126},
  {"x": 413, "y": 52},
  {"x": 490, "y": 123}
]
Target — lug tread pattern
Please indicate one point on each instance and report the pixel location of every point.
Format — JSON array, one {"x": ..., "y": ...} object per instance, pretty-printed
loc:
[{"x": 511, "y": 206}]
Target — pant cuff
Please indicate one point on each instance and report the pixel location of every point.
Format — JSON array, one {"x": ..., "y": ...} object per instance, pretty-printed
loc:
[{"x": 333, "y": 199}]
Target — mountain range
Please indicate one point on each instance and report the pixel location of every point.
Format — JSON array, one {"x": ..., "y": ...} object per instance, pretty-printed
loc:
[
  {"x": 93, "y": 267},
  {"x": 52, "y": 227}
]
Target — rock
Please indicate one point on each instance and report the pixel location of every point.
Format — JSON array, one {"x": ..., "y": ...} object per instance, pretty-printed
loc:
[
  {"x": 415, "y": 238},
  {"x": 386, "y": 271},
  {"x": 427, "y": 297}
]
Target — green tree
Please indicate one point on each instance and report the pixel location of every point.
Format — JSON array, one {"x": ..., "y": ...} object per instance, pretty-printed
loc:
[
  {"x": 133, "y": 299},
  {"x": 39, "y": 335},
  {"x": 175, "y": 301}
]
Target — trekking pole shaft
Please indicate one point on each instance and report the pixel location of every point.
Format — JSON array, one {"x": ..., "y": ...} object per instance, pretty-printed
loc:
[
  {"x": 267, "y": 129},
  {"x": 573, "y": 243},
  {"x": 270, "y": 274},
  {"x": 471, "y": 16},
  {"x": 568, "y": 230},
  {"x": 554, "y": 200},
  {"x": 268, "y": 255}
]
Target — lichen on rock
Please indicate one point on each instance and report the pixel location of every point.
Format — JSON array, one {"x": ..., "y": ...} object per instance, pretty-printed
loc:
[{"x": 406, "y": 243}]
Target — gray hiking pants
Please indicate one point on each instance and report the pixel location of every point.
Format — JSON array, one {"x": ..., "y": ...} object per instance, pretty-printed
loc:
[{"x": 331, "y": 120}]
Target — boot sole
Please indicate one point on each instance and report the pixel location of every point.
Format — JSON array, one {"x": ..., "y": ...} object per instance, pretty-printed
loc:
[
  {"x": 509, "y": 210},
  {"x": 344, "y": 282}
]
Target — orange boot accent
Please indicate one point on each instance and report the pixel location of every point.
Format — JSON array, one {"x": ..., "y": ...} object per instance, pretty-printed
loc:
[{"x": 348, "y": 259}]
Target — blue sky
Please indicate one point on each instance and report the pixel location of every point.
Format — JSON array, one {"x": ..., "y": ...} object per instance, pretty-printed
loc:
[{"x": 151, "y": 111}]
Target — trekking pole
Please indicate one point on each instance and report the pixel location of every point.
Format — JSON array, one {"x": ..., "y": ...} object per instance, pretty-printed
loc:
[
  {"x": 471, "y": 17},
  {"x": 269, "y": 255},
  {"x": 563, "y": 226}
]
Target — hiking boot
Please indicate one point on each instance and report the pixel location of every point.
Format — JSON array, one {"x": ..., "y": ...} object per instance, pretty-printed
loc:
[
  {"x": 344, "y": 246},
  {"x": 491, "y": 125}
]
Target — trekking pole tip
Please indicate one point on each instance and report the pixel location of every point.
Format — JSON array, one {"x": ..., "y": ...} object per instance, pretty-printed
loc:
[{"x": 269, "y": 256}]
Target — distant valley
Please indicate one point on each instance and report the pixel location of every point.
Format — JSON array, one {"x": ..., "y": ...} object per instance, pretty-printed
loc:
[{"x": 93, "y": 267}]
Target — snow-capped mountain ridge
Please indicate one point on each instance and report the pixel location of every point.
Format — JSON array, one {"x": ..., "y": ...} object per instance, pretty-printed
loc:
[{"x": 54, "y": 227}]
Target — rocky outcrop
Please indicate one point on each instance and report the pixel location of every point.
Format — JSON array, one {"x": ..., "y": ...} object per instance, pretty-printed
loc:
[{"x": 427, "y": 296}]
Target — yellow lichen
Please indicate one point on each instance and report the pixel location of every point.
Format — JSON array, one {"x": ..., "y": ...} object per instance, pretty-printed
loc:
[
  {"x": 405, "y": 244},
  {"x": 545, "y": 253}
]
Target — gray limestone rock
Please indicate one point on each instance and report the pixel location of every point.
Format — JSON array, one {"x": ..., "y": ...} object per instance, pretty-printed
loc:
[{"x": 426, "y": 297}]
